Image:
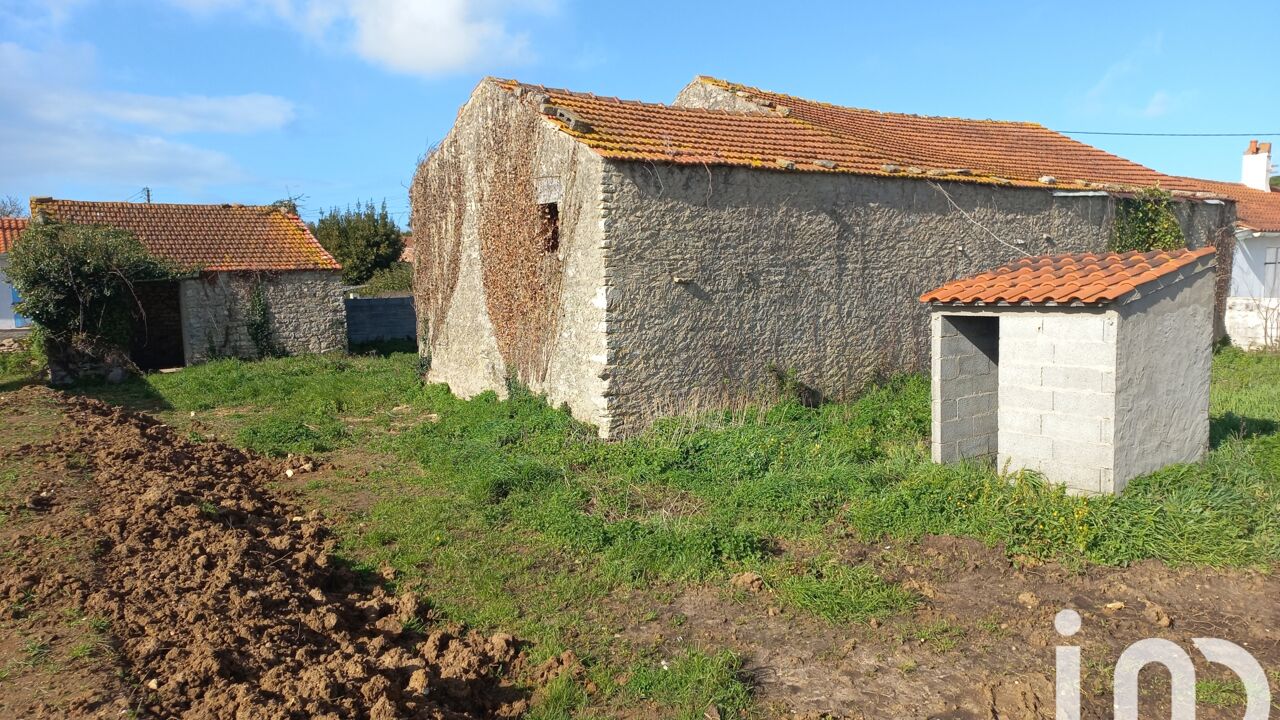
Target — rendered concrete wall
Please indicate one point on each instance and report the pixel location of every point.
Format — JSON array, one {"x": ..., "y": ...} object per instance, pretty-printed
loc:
[
  {"x": 1057, "y": 394},
  {"x": 966, "y": 377},
  {"x": 465, "y": 351},
  {"x": 1163, "y": 362},
  {"x": 305, "y": 310}
]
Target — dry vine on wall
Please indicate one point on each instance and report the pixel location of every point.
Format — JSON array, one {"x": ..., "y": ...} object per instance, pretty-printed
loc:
[
  {"x": 521, "y": 265},
  {"x": 437, "y": 203},
  {"x": 519, "y": 245}
]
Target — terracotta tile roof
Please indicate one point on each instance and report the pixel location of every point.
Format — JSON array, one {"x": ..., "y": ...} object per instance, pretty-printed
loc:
[
  {"x": 1021, "y": 151},
  {"x": 631, "y": 130},
  {"x": 797, "y": 134},
  {"x": 212, "y": 237},
  {"x": 10, "y": 229},
  {"x": 1255, "y": 209},
  {"x": 1086, "y": 278}
]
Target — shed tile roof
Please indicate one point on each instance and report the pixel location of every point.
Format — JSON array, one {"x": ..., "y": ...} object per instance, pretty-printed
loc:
[
  {"x": 211, "y": 237},
  {"x": 1255, "y": 209},
  {"x": 10, "y": 229},
  {"x": 797, "y": 134},
  {"x": 1086, "y": 278}
]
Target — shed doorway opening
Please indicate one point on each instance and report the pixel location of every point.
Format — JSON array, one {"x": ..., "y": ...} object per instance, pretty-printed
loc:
[
  {"x": 157, "y": 326},
  {"x": 967, "y": 399}
]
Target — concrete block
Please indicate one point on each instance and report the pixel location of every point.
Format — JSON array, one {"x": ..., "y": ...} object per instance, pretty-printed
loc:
[
  {"x": 949, "y": 368},
  {"x": 1071, "y": 427},
  {"x": 1088, "y": 404},
  {"x": 1085, "y": 354},
  {"x": 979, "y": 404},
  {"x": 1020, "y": 374},
  {"x": 945, "y": 327},
  {"x": 1072, "y": 378},
  {"x": 946, "y": 410},
  {"x": 1024, "y": 422},
  {"x": 1019, "y": 327},
  {"x": 1021, "y": 397},
  {"x": 1077, "y": 452},
  {"x": 986, "y": 424},
  {"x": 944, "y": 452},
  {"x": 1079, "y": 479},
  {"x": 1022, "y": 447},
  {"x": 1027, "y": 352},
  {"x": 1074, "y": 327},
  {"x": 975, "y": 447},
  {"x": 975, "y": 365}
]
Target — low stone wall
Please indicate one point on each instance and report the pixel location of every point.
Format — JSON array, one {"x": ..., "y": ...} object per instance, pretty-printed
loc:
[
  {"x": 305, "y": 310},
  {"x": 380, "y": 318}
]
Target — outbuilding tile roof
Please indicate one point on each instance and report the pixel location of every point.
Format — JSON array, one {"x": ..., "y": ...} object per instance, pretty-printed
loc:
[
  {"x": 1086, "y": 278},
  {"x": 210, "y": 237},
  {"x": 795, "y": 134},
  {"x": 1255, "y": 209},
  {"x": 10, "y": 229}
]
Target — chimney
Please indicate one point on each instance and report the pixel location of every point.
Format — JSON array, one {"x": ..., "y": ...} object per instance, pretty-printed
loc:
[{"x": 1255, "y": 171}]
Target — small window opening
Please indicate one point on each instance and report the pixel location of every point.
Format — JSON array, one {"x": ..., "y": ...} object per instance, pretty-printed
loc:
[{"x": 549, "y": 215}]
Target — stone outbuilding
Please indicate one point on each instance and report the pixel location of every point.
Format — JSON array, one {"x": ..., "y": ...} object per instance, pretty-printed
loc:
[
  {"x": 1091, "y": 369},
  {"x": 633, "y": 260},
  {"x": 235, "y": 252}
]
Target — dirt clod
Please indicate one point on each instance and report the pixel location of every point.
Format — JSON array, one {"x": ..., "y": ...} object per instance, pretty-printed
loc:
[{"x": 749, "y": 581}]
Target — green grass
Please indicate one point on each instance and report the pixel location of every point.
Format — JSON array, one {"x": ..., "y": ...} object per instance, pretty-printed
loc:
[
  {"x": 1222, "y": 693},
  {"x": 509, "y": 514}
]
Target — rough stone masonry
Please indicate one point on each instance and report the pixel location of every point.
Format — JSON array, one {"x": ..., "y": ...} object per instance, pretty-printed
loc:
[{"x": 684, "y": 286}]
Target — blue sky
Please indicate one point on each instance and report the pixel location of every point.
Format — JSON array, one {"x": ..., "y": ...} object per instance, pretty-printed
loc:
[{"x": 253, "y": 100}]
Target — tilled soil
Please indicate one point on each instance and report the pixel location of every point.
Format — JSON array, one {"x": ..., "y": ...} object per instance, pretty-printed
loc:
[{"x": 217, "y": 600}]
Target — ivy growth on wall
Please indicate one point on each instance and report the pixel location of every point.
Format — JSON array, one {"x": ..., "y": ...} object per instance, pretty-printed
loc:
[
  {"x": 1147, "y": 222},
  {"x": 257, "y": 322}
]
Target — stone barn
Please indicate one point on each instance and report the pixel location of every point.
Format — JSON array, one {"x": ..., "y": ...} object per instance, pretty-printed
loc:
[
  {"x": 235, "y": 252},
  {"x": 633, "y": 259},
  {"x": 1091, "y": 369}
]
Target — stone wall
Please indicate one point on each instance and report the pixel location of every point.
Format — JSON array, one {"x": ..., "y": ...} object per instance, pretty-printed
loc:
[
  {"x": 305, "y": 309},
  {"x": 1164, "y": 360},
  {"x": 375, "y": 319},
  {"x": 722, "y": 278},
  {"x": 463, "y": 346}
]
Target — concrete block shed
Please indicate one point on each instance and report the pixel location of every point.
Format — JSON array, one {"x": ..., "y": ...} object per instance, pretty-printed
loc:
[{"x": 1090, "y": 368}]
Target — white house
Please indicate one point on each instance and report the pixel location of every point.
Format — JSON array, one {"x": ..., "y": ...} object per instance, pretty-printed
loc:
[
  {"x": 1253, "y": 304},
  {"x": 10, "y": 229}
]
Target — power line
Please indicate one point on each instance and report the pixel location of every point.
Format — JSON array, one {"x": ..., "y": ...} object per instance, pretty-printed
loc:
[{"x": 1173, "y": 133}]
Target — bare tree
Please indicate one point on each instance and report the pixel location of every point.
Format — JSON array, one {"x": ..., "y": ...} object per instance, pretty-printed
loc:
[{"x": 11, "y": 206}]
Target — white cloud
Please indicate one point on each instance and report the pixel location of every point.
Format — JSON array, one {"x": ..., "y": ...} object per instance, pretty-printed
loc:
[
  {"x": 417, "y": 37},
  {"x": 1158, "y": 104},
  {"x": 195, "y": 113},
  {"x": 57, "y": 127}
]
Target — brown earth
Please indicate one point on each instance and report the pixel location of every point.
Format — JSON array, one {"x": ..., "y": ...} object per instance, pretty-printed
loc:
[
  {"x": 146, "y": 573},
  {"x": 981, "y": 645}
]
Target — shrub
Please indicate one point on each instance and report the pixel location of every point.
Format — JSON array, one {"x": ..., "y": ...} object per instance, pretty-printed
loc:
[
  {"x": 1147, "y": 222},
  {"x": 364, "y": 239},
  {"x": 76, "y": 282}
]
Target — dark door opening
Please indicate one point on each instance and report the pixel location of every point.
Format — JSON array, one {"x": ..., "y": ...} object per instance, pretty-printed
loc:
[{"x": 157, "y": 326}]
